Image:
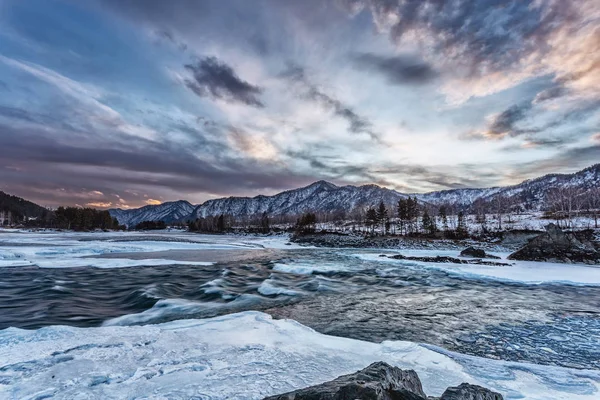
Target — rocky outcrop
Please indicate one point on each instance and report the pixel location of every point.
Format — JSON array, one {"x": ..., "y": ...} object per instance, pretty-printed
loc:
[
  {"x": 466, "y": 391},
  {"x": 447, "y": 260},
  {"x": 381, "y": 381},
  {"x": 476, "y": 253},
  {"x": 557, "y": 246}
]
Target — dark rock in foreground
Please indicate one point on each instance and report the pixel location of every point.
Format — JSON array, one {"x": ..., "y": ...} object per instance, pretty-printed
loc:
[
  {"x": 476, "y": 253},
  {"x": 465, "y": 391},
  {"x": 448, "y": 260},
  {"x": 380, "y": 381},
  {"x": 557, "y": 246}
]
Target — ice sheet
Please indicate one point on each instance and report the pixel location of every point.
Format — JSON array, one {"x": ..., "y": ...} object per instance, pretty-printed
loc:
[
  {"x": 53, "y": 249},
  {"x": 242, "y": 356},
  {"x": 528, "y": 272}
]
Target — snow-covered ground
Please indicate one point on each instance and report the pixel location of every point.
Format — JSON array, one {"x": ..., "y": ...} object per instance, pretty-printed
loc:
[
  {"x": 53, "y": 249},
  {"x": 528, "y": 272},
  {"x": 242, "y": 356},
  {"x": 515, "y": 221}
]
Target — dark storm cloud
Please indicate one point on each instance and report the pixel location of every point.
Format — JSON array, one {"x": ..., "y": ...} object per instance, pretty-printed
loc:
[
  {"x": 213, "y": 78},
  {"x": 358, "y": 123},
  {"x": 400, "y": 69}
]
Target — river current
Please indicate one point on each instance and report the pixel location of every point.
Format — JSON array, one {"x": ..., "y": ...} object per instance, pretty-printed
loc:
[{"x": 351, "y": 293}]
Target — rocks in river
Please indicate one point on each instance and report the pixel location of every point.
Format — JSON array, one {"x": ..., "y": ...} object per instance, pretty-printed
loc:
[
  {"x": 381, "y": 381},
  {"x": 476, "y": 253},
  {"x": 448, "y": 260},
  {"x": 557, "y": 246}
]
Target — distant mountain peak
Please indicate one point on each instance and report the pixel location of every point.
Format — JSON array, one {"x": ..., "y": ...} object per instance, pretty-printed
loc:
[{"x": 322, "y": 184}]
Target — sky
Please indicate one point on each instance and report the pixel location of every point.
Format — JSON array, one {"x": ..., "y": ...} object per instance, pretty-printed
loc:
[{"x": 123, "y": 103}]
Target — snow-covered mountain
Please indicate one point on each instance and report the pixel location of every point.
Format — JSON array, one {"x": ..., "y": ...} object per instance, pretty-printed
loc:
[
  {"x": 168, "y": 212},
  {"x": 324, "y": 196},
  {"x": 531, "y": 194},
  {"x": 319, "y": 197}
]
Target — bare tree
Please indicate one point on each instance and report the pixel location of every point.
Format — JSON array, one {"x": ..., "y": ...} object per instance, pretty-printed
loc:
[
  {"x": 566, "y": 203},
  {"x": 593, "y": 204}
]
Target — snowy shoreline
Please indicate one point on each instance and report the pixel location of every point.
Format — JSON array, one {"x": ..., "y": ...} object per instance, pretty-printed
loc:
[{"x": 246, "y": 355}]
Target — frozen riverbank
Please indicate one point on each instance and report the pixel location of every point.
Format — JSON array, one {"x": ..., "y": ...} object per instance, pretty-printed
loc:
[{"x": 243, "y": 356}]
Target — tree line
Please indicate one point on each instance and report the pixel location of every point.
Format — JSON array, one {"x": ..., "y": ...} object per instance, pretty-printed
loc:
[
  {"x": 411, "y": 218},
  {"x": 81, "y": 219}
]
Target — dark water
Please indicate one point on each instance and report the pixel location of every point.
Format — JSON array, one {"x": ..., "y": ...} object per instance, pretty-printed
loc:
[{"x": 375, "y": 301}]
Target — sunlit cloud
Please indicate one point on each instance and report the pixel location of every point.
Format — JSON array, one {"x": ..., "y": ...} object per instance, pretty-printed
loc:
[{"x": 99, "y": 204}]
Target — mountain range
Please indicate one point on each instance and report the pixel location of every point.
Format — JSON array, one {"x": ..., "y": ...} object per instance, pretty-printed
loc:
[{"x": 322, "y": 196}]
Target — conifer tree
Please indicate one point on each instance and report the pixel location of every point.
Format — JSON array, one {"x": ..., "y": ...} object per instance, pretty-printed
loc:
[
  {"x": 372, "y": 219},
  {"x": 443, "y": 214},
  {"x": 382, "y": 216},
  {"x": 461, "y": 228}
]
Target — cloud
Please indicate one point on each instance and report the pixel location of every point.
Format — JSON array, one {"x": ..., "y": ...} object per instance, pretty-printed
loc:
[
  {"x": 399, "y": 70},
  {"x": 550, "y": 94},
  {"x": 571, "y": 160},
  {"x": 167, "y": 35},
  {"x": 213, "y": 78},
  {"x": 357, "y": 123},
  {"x": 489, "y": 46},
  {"x": 153, "y": 202},
  {"x": 596, "y": 138},
  {"x": 99, "y": 204},
  {"x": 254, "y": 146},
  {"x": 504, "y": 124}
]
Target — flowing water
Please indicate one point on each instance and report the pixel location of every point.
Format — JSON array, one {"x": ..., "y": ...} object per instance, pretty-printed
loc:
[{"x": 343, "y": 292}]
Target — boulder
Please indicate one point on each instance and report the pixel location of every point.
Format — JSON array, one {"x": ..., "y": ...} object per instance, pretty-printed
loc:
[
  {"x": 378, "y": 381},
  {"x": 467, "y": 391},
  {"x": 557, "y": 246},
  {"x": 448, "y": 260},
  {"x": 381, "y": 381},
  {"x": 476, "y": 253}
]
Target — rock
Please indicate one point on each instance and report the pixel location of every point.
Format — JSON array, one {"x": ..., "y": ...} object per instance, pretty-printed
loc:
[
  {"x": 476, "y": 253},
  {"x": 450, "y": 260},
  {"x": 466, "y": 391},
  {"x": 557, "y": 246},
  {"x": 380, "y": 381}
]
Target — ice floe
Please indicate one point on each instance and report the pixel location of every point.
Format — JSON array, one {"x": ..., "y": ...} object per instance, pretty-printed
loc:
[
  {"x": 53, "y": 249},
  {"x": 243, "y": 356},
  {"x": 528, "y": 272}
]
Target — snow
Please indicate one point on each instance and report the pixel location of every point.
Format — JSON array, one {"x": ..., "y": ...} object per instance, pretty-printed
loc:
[
  {"x": 531, "y": 272},
  {"x": 243, "y": 356},
  {"x": 53, "y": 249},
  {"x": 527, "y": 272}
]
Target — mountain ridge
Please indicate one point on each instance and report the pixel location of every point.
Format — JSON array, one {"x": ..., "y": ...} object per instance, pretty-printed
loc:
[{"x": 324, "y": 196}]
